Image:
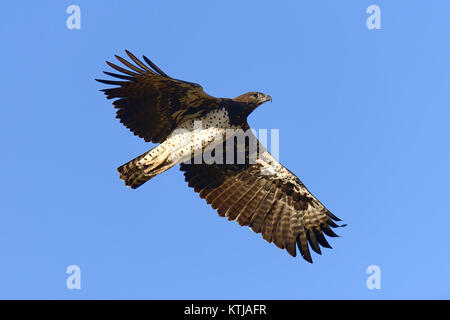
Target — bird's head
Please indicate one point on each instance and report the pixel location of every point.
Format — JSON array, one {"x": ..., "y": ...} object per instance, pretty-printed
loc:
[{"x": 252, "y": 100}]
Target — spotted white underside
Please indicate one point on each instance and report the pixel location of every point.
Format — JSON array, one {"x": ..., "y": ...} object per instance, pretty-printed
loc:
[{"x": 193, "y": 136}]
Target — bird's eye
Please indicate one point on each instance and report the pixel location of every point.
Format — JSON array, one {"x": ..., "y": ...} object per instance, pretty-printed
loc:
[{"x": 255, "y": 95}]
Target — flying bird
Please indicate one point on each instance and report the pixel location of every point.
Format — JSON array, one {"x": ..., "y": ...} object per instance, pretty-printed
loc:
[{"x": 261, "y": 194}]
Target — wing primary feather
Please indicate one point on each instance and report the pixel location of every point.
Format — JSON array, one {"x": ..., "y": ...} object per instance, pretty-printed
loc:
[
  {"x": 332, "y": 224},
  {"x": 120, "y": 76},
  {"x": 322, "y": 240},
  {"x": 313, "y": 241},
  {"x": 138, "y": 62},
  {"x": 129, "y": 65},
  {"x": 290, "y": 246},
  {"x": 302, "y": 244},
  {"x": 120, "y": 69},
  {"x": 151, "y": 64},
  {"x": 113, "y": 82},
  {"x": 329, "y": 232},
  {"x": 332, "y": 216}
]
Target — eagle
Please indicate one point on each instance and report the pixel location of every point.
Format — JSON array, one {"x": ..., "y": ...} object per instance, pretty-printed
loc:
[{"x": 261, "y": 194}]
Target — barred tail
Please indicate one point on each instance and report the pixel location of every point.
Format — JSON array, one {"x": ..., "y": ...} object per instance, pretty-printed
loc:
[{"x": 143, "y": 168}]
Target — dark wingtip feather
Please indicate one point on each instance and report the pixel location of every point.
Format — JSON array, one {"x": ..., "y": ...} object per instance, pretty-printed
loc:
[
  {"x": 329, "y": 232},
  {"x": 291, "y": 249},
  {"x": 331, "y": 223},
  {"x": 332, "y": 216},
  {"x": 120, "y": 69},
  {"x": 303, "y": 248},
  {"x": 313, "y": 241},
  {"x": 151, "y": 64},
  {"x": 138, "y": 62},
  {"x": 120, "y": 76},
  {"x": 130, "y": 65},
  {"x": 322, "y": 240},
  {"x": 307, "y": 258},
  {"x": 113, "y": 82}
]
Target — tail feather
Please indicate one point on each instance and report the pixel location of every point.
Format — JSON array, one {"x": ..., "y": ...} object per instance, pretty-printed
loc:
[{"x": 146, "y": 166}]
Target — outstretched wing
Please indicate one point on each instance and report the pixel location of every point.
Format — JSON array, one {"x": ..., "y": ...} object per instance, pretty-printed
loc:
[
  {"x": 149, "y": 102},
  {"x": 268, "y": 198}
]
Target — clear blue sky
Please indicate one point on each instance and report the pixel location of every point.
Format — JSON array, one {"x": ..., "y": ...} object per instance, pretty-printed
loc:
[{"x": 363, "y": 118}]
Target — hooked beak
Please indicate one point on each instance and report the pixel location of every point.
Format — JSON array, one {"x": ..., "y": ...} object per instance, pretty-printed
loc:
[{"x": 268, "y": 98}]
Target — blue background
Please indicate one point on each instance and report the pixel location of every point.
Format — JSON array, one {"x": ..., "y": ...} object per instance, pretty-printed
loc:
[{"x": 363, "y": 118}]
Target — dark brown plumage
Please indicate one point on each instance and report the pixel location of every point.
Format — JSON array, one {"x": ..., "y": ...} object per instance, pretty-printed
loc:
[
  {"x": 150, "y": 103},
  {"x": 277, "y": 205}
]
